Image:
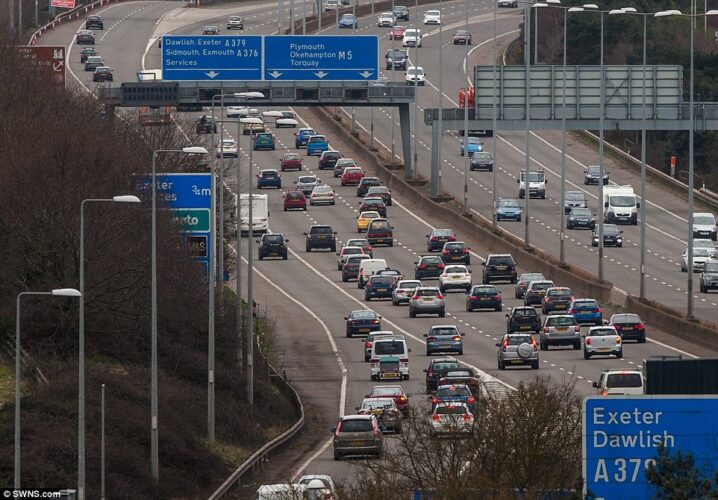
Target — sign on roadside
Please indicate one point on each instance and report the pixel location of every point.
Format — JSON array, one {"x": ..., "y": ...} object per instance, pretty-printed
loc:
[
  {"x": 621, "y": 435},
  {"x": 49, "y": 59},
  {"x": 63, "y": 4}
]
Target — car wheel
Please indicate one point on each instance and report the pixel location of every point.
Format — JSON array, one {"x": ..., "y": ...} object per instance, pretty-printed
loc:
[
  {"x": 619, "y": 354},
  {"x": 442, "y": 314},
  {"x": 412, "y": 314},
  {"x": 349, "y": 334},
  {"x": 260, "y": 256},
  {"x": 501, "y": 365},
  {"x": 367, "y": 359},
  {"x": 308, "y": 248},
  {"x": 284, "y": 256},
  {"x": 461, "y": 352},
  {"x": 586, "y": 355},
  {"x": 367, "y": 298},
  {"x": 543, "y": 346},
  {"x": 703, "y": 289},
  {"x": 535, "y": 365},
  {"x": 642, "y": 340},
  {"x": 469, "y": 308},
  {"x": 499, "y": 308},
  {"x": 428, "y": 352},
  {"x": 345, "y": 279},
  {"x": 337, "y": 456}
]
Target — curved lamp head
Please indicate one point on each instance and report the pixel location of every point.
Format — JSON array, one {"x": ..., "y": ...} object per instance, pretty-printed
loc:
[
  {"x": 590, "y": 6},
  {"x": 249, "y": 95},
  {"x": 666, "y": 13},
  {"x": 553, "y": 2},
  {"x": 126, "y": 198},
  {"x": 195, "y": 150},
  {"x": 576, "y": 9},
  {"x": 629, "y": 10},
  {"x": 712, "y": 12},
  {"x": 614, "y": 12},
  {"x": 66, "y": 292},
  {"x": 539, "y": 5}
]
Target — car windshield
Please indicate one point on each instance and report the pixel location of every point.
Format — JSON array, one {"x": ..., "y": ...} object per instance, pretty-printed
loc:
[
  {"x": 350, "y": 170},
  {"x": 307, "y": 180},
  {"x": 623, "y": 201},
  {"x": 389, "y": 347},
  {"x": 427, "y": 292},
  {"x": 431, "y": 260},
  {"x": 534, "y": 176},
  {"x": 354, "y": 259},
  {"x": 444, "y": 330},
  {"x": 519, "y": 339},
  {"x": 484, "y": 290},
  {"x": 352, "y": 250},
  {"x": 586, "y": 304},
  {"x": 610, "y": 230},
  {"x": 626, "y": 318},
  {"x": 508, "y": 204},
  {"x": 455, "y": 269},
  {"x": 373, "y": 201},
  {"x": 369, "y": 215},
  {"x": 541, "y": 285},
  {"x": 415, "y": 71},
  {"x": 235, "y": 18},
  {"x": 331, "y": 155},
  {"x": 711, "y": 267},
  {"x": 624, "y": 380},
  {"x": 462, "y": 33},
  {"x": 582, "y": 212},
  {"x": 454, "y": 246},
  {"x": 460, "y": 373},
  {"x": 378, "y": 190},
  {"x": 377, "y": 404},
  {"x": 501, "y": 261},
  {"x": 379, "y": 281},
  {"x": 291, "y": 157},
  {"x": 307, "y": 131},
  {"x": 702, "y": 252},
  {"x": 453, "y": 392},
  {"x": 295, "y": 195},
  {"x": 322, "y": 230},
  {"x": 347, "y": 17},
  {"x": 370, "y": 181},
  {"x": 409, "y": 285},
  {"x": 704, "y": 220},
  {"x": 387, "y": 391},
  {"x": 317, "y": 138},
  {"x": 357, "y": 243},
  {"x": 269, "y": 173},
  {"x": 473, "y": 140},
  {"x": 560, "y": 321},
  {"x": 433, "y": 13},
  {"x": 601, "y": 332},
  {"x": 446, "y": 366},
  {"x": 482, "y": 156},
  {"x": 397, "y": 52},
  {"x": 594, "y": 170},
  {"x": 411, "y": 32},
  {"x": 363, "y": 315},
  {"x": 531, "y": 277},
  {"x": 379, "y": 224},
  {"x": 525, "y": 312},
  {"x": 323, "y": 189},
  {"x": 575, "y": 196},
  {"x": 564, "y": 292},
  {"x": 356, "y": 425}
]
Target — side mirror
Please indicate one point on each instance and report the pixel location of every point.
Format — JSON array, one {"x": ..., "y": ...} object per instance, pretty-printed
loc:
[
  {"x": 497, "y": 344},
  {"x": 333, "y": 430},
  {"x": 257, "y": 241},
  {"x": 379, "y": 317},
  {"x": 467, "y": 292},
  {"x": 469, "y": 271},
  {"x": 483, "y": 263},
  {"x": 426, "y": 371},
  {"x": 605, "y": 322},
  {"x": 427, "y": 235},
  {"x": 426, "y": 335},
  {"x": 638, "y": 204},
  {"x": 605, "y": 205},
  {"x": 286, "y": 240},
  {"x": 415, "y": 262},
  {"x": 518, "y": 181},
  {"x": 410, "y": 350},
  {"x": 595, "y": 385},
  {"x": 545, "y": 181},
  {"x": 356, "y": 408},
  {"x": 304, "y": 234},
  {"x": 345, "y": 318},
  {"x": 462, "y": 334},
  {"x": 507, "y": 315}
]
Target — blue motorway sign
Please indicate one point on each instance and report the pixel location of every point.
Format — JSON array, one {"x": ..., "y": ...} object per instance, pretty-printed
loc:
[
  {"x": 321, "y": 57},
  {"x": 621, "y": 434},
  {"x": 212, "y": 57}
]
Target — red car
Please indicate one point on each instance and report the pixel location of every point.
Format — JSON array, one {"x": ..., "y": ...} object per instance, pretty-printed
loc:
[
  {"x": 397, "y": 33},
  {"x": 351, "y": 176},
  {"x": 401, "y": 399},
  {"x": 290, "y": 161},
  {"x": 295, "y": 199}
]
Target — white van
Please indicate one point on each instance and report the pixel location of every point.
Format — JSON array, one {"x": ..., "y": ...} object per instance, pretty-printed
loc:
[
  {"x": 282, "y": 492},
  {"x": 620, "y": 205},
  {"x": 619, "y": 382},
  {"x": 390, "y": 346},
  {"x": 367, "y": 267},
  {"x": 260, "y": 213}
]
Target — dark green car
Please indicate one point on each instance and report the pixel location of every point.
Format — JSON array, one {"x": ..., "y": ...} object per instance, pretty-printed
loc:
[{"x": 264, "y": 141}]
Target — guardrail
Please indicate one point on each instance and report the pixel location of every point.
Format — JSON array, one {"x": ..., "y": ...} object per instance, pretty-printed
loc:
[
  {"x": 260, "y": 456},
  {"x": 78, "y": 11}
]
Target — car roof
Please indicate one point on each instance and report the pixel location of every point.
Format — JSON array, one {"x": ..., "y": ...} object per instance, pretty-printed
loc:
[
  {"x": 443, "y": 326},
  {"x": 356, "y": 417}
]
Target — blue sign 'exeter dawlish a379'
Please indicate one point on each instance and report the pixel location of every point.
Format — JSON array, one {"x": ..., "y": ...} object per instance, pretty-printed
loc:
[{"x": 212, "y": 57}]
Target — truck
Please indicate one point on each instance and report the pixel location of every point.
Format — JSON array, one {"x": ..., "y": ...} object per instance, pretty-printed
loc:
[
  {"x": 260, "y": 213},
  {"x": 620, "y": 205},
  {"x": 467, "y": 94},
  {"x": 674, "y": 375}
]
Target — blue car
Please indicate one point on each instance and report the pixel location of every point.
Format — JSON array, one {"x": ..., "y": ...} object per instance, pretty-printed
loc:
[
  {"x": 484, "y": 297},
  {"x": 508, "y": 209},
  {"x": 317, "y": 144},
  {"x": 302, "y": 136},
  {"x": 586, "y": 311},
  {"x": 264, "y": 141},
  {"x": 455, "y": 393},
  {"x": 378, "y": 287},
  {"x": 472, "y": 145},
  {"x": 362, "y": 322},
  {"x": 444, "y": 338},
  {"x": 348, "y": 21},
  {"x": 269, "y": 177}
]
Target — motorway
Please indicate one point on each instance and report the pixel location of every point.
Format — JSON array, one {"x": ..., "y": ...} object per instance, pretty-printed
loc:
[{"x": 307, "y": 289}]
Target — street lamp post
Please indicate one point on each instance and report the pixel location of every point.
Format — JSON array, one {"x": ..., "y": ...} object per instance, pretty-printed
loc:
[
  {"x": 527, "y": 63},
  {"x": 416, "y": 87},
  {"x": 466, "y": 111},
  {"x": 250, "y": 283},
  {"x": 81, "y": 341},
  {"x": 154, "y": 420},
  {"x": 494, "y": 132},
  {"x": 58, "y": 292}
]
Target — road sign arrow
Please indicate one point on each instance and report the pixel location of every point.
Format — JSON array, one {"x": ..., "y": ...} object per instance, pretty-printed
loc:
[
  {"x": 366, "y": 74},
  {"x": 321, "y": 74},
  {"x": 58, "y": 66},
  {"x": 275, "y": 74},
  {"x": 212, "y": 74}
]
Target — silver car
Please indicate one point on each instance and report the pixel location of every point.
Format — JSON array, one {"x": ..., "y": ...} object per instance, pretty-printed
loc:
[
  {"x": 403, "y": 292},
  {"x": 427, "y": 300},
  {"x": 369, "y": 342},
  {"x": 357, "y": 435},
  {"x": 560, "y": 329},
  {"x": 517, "y": 349}
]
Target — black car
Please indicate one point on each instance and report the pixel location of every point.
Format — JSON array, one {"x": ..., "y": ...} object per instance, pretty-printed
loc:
[
  {"x": 428, "y": 266},
  {"x": 350, "y": 269},
  {"x": 592, "y": 173},
  {"x": 484, "y": 297},
  {"x": 321, "y": 237},
  {"x": 535, "y": 293},
  {"x": 482, "y": 160},
  {"x": 612, "y": 236},
  {"x": 380, "y": 192},
  {"x": 574, "y": 199},
  {"x": 456, "y": 251},
  {"x": 557, "y": 298},
  {"x": 629, "y": 326},
  {"x": 709, "y": 276},
  {"x": 523, "y": 319},
  {"x": 380, "y": 232},
  {"x": 438, "y": 368},
  {"x": 378, "y": 287},
  {"x": 362, "y": 321},
  {"x": 87, "y": 52},
  {"x": 396, "y": 58},
  {"x": 523, "y": 283},
  {"x": 206, "y": 125},
  {"x": 102, "y": 74},
  {"x": 499, "y": 267},
  {"x": 365, "y": 183},
  {"x": 272, "y": 245},
  {"x": 329, "y": 159},
  {"x": 401, "y": 12},
  {"x": 373, "y": 204},
  {"x": 580, "y": 218},
  {"x": 94, "y": 23},
  {"x": 465, "y": 376},
  {"x": 435, "y": 241},
  {"x": 85, "y": 37}
]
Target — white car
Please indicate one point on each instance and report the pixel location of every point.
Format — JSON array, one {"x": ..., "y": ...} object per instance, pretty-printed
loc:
[
  {"x": 227, "y": 148},
  {"x": 415, "y": 75},
  {"x": 412, "y": 38},
  {"x": 703, "y": 243},
  {"x": 432, "y": 17},
  {"x": 403, "y": 291},
  {"x": 386, "y": 20},
  {"x": 701, "y": 255},
  {"x": 602, "y": 340},
  {"x": 455, "y": 276},
  {"x": 331, "y": 5},
  {"x": 704, "y": 225},
  {"x": 507, "y": 3},
  {"x": 451, "y": 419},
  {"x": 241, "y": 111},
  {"x": 321, "y": 195}
]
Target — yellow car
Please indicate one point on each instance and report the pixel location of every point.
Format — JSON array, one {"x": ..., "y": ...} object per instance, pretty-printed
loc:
[{"x": 365, "y": 218}]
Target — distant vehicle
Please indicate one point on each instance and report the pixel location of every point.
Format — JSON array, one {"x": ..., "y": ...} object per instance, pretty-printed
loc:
[
  {"x": 523, "y": 319},
  {"x": 574, "y": 199},
  {"x": 321, "y": 237},
  {"x": 328, "y": 159},
  {"x": 290, "y": 161},
  {"x": 263, "y": 141},
  {"x": 704, "y": 225},
  {"x": 438, "y": 368},
  {"x": 364, "y": 218},
  {"x": 386, "y": 20},
  {"x": 620, "y": 383},
  {"x": 307, "y": 183},
  {"x": 357, "y": 434},
  {"x": 436, "y": 239},
  {"x": 344, "y": 254},
  {"x": 380, "y": 192},
  {"x": 465, "y": 376},
  {"x": 210, "y": 30},
  {"x": 462, "y": 37},
  {"x": 471, "y": 145},
  {"x": 620, "y": 205},
  {"x": 281, "y": 492},
  {"x": 580, "y": 218},
  {"x": 269, "y": 177},
  {"x": 93, "y": 62},
  {"x": 205, "y": 125},
  {"x": 102, "y": 74},
  {"x": 260, "y": 213},
  {"x": 455, "y": 276},
  {"x": 317, "y": 144},
  {"x": 537, "y": 184},
  {"x": 451, "y": 419},
  {"x": 428, "y": 266},
  {"x": 362, "y": 321},
  {"x": 341, "y": 164},
  {"x": 235, "y": 23},
  {"x": 272, "y": 245},
  {"x": 362, "y": 243},
  {"x": 386, "y": 412},
  {"x": 586, "y": 311},
  {"x": 560, "y": 329},
  {"x": 499, "y": 267},
  {"x": 378, "y": 287},
  {"x": 302, "y": 136},
  {"x": 709, "y": 276},
  {"x": 327, "y": 482},
  {"x": 396, "y": 58},
  {"x": 483, "y": 297},
  {"x": 227, "y": 148},
  {"x": 369, "y": 344},
  {"x": 365, "y": 183},
  {"x": 523, "y": 283},
  {"x": 94, "y": 23},
  {"x": 557, "y": 298},
  {"x": 427, "y": 300},
  {"x": 348, "y": 21},
  {"x": 456, "y": 251},
  {"x": 535, "y": 292},
  {"x": 397, "y": 33},
  {"x": 415, "y": 75},
  {"x": 86, "y": 52},
  {"x": 368, "y": 268},
  {"x": 403, "y": 291},
  {"x": 592, "y": 174},
  {"x": 700, "y": 257},
  {"x": 507, "y": 3},
  {"x": 602, "y": 340},
  {"x": 350, "y": 269},
  {"x": 630, "y": 326},
  {"x": 432, "y": 17},
  {"x": 331, "y": 5},
  {"x": 380, "y": 232},
  {"x": 517, "y": 349},
  {"x": 412, "y": 38},
  {"x": 85, "y": 37},
  {"x": 375, "y": 203},
  {"x": 322, "y": 195},
  {"x": 481, "y": 160},
  {"x": 252, "y": 125},
  {"x": 612, "y": 236},
  {"x": 508, "y": 209},
  {"x": 401, "y": 12},
  {"x": 385, "y": 347},
  {"x": 351, "y": 175},
  {"x": 295, "y": 199},
  {"x": 401, "y": 398},
  {"x": 454, "y": 393}
]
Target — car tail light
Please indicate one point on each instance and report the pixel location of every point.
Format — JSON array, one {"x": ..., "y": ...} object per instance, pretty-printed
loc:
[
  {"x": 377, "y": 432},
  {"x": 571, "y": 298},
  {"x": 434, "y": 238},
  {"x": 596, "y": 310},
  {"x": 547, "y": 299},
  {"x": 431, "y": 338},
  {"x": 435, "y": 417},
  {"x": 572, "y": 311},
  {"x": 533, "y": 343},
  {"x": 467, "y": 418},
  {"x": 457, "y": 338},
  {"x": 470, "y": 400},
  {"x": 640, "y": 326},
  {"x": 473, "y": 297},
  {"x": 618, "y": 340},
  {"x": 339, "y": 426},
  {"x": 452, "y": 238},
  {"x": 498, "y": 296},
  {"x": 545, "y": 329},
  {"x": 422, "y": 266},
  {"x": 506, "y": 343},
  {"x": 368, "y": 248},
  {"x": 368, "y": 344},
  {"x": 434, "y": 401},
  {"x": 439, "y": 296},
  {"x": 354, "y": 322},
  {"x": 376, "y": 321},
  {"x": 445, "y": 252},
  {"x": 440, "y": 265},
  {"x": 466, "y": 251},
  {"x": 588, "y": 340},
  {"x": 415, "y": 297},
  {"x": 368, "y": 285}
]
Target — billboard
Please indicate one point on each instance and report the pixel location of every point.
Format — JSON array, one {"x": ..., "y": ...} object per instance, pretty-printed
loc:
[
  {"x": 63, "y": 4},
  {"x": 50, "y": 59}
]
